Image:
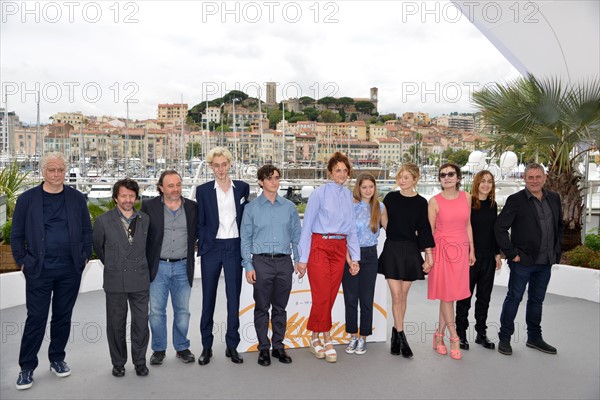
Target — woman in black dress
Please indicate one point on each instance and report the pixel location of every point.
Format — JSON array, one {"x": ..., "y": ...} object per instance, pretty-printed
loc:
[
  {"x": 484, "y": 212},
  {"x": 408, "y": 232}
]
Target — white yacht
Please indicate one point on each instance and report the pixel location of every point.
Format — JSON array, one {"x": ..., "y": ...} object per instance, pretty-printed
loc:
[{"x": 100, "y": 194}]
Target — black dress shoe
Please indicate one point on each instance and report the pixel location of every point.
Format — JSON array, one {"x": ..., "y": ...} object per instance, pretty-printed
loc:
[
  {"x": 118, "y": 371},
  {"x": 264, "y": 359},
  {"x": 541, "y": 346},
  {"x": 464, "y": 343},
  {"x": 141, "y": 370},
  {"x": 186, "y": 356},
  {"x": 232, "y": 353},
  {"x": 157, "y": 358},
  {"x": 484, "y": 341},
  {"x": 282, "y": 356},
  {"x": 205, "y": 356},
  {"x": 504, "y": 348}
]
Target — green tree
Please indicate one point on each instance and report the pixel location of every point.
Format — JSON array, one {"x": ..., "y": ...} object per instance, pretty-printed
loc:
[
  {"x": 329, "y": 116},
  {"x": 12, "y": 182},
  {"x": 353, "y": 117},
  {"x": 305, "y": 100},
  {"x": 559, "y": 120},
  {"x": 196, "y": 149},
  {"x": 342, "y": 115},
  {"x": 298, "y": 117},
  {"x": 328, "y": 101},
  {"x": 274, "y": 116},
  {"x": 458, "y": 157},
  {"x": 345, "y": 101},
  {"x": 234, "y": 94},
  {"x": 365, "y": 107},
  {"x": 311, "y": 114}
]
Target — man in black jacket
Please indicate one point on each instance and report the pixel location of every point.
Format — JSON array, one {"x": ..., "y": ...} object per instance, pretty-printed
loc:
[
  {"x": 170, "y": 253},
  {"x": 534, "y": 217}
]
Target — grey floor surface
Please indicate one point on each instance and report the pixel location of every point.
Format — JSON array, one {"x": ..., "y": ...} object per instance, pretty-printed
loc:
[{"x": 572, "y": 325}]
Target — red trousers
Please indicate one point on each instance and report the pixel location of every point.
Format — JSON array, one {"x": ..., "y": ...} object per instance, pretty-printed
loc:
[{"x": 325, "y": 271}]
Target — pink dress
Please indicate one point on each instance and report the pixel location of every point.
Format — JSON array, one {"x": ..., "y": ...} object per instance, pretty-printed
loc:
[{"x": 448, "y": 280}]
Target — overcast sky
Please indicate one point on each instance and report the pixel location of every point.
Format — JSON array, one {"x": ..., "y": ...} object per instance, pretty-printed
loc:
[{"x": 93, "y": 56}]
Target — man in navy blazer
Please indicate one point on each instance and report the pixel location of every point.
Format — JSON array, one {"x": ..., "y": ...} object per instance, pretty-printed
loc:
[
  {"x": 51, "y": 241},
  {"x": 534, "y": 217},
  {"x": 220, "y": 206}
]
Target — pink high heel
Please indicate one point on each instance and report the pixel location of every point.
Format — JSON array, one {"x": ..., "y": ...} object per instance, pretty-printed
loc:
[
  {"x": 439, "y": 345},
  {"x": 455, "y": 354}
]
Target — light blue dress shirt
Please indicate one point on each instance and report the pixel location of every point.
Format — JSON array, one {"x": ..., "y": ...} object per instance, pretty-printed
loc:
[
  {"x": 330, "y": 209},
  {"x": 269, "y": 228}
]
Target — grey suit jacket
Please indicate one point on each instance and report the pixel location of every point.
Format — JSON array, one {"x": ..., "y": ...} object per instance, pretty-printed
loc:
[{"x": 125, "y": 265}]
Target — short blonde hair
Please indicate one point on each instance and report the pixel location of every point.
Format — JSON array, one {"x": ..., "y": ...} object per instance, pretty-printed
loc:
[
  {"x": 218, "y": 151},
  {"x": 54, "y": 155},
  {"x": 411, "y": 168}
]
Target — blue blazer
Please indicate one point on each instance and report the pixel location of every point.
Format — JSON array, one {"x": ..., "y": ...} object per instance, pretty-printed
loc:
[
  {"x": 27, "y": 238},
  {"x": 208, "y": 211}
]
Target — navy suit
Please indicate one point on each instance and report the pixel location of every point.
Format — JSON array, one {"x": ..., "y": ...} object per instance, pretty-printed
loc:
[
  {"x": 45, "y": 286},
  {"x": 217, "y": 254}
]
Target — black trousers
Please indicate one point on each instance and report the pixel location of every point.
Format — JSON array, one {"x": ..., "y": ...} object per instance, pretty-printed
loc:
[
  {"x": 271, "y": 290},
  {"x": 481, "y": 275},
  {"x": 60, "y": 288},
  {"x": 116, "y": 326},
  {"x": 361, "y": 288}
]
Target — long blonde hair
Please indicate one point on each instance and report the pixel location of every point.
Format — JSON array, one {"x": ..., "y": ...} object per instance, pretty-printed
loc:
[{"x": 375, "y": 220}]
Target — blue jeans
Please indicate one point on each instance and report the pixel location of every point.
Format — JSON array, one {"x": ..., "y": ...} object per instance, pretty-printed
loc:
[
  {"x": 170, "y": 278},
  {"x": 537, "y": 276}
]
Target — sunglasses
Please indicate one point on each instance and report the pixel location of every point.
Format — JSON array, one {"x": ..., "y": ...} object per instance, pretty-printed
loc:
[{"x": 449, "y": 174}]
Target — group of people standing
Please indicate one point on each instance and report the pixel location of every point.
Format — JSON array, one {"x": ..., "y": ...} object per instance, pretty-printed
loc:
[
  {"x": 149, "y": 255},
  {"x": 462, "y": 237}
]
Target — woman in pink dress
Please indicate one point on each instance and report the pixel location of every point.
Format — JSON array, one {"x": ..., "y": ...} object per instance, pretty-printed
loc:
[{"x": 450, "y": 219}]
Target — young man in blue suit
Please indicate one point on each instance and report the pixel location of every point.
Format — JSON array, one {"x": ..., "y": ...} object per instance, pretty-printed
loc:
[
  {"x": 220, "y": 206},
  {"x": 534, "y": 218}
]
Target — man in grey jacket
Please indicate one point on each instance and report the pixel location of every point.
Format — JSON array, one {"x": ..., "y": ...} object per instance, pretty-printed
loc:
[{"x": 119, "y": 239}]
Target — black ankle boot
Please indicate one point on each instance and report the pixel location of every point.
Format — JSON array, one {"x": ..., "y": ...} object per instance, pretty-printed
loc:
[
  {"x": 404, "y": 347},
  {"x": 395, "y": 350}
]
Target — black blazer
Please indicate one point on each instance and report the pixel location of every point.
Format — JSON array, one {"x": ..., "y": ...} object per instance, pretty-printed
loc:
[
  {"x": 27, "y": 237},
  {"x": 520, "y": 216},
  {"x": 208, "y": 211},
  {"x": 155, "y": 210}
]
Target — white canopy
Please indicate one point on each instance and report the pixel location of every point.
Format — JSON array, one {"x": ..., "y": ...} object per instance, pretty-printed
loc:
[{"x": 544, "y": 38}]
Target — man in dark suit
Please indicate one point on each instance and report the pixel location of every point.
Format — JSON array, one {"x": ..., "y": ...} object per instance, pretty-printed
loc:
[
  {"x": 534, "y": 217},
  {"x": 220, "y": 206},
  {"x": 51, "y": 241},
  {"x": 171, "y": 259},
  {"x": 120, "y": 242}
]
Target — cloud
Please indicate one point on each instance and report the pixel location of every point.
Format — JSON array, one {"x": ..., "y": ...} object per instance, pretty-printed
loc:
[{"x": 182, "y": 48}]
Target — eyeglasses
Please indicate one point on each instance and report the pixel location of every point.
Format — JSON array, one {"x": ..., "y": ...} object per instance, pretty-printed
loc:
[{"x": 449, "y": 175}]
